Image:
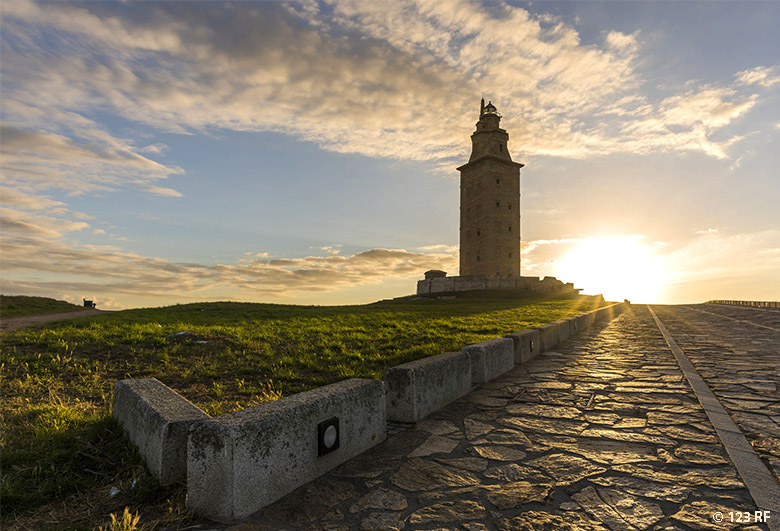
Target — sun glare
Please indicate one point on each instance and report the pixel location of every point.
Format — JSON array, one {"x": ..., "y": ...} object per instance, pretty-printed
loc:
[{"x": 621, "y": 267}]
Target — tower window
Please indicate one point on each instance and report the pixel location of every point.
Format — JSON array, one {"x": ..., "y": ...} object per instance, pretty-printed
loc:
[
  {"x": 510, "y": 228},
  {"x": 510, "y": 207},
  {"x": 477, "y": 233},
  {"x": 477, "y": 258},
  {"x": 498, "y": 181},
  {"x": 510, "y": 255},
  {"x": 501, "y": 147},
  {"x": 498, "y": 203}
]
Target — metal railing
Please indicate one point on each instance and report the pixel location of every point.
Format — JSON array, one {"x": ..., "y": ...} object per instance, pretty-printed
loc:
[{"x": 757, "y": 304}]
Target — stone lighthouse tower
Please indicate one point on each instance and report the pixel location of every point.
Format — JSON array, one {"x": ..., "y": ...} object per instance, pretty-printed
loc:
[
  {"x": 489, "y": 202},
  {"x": 489, "y": 222}
]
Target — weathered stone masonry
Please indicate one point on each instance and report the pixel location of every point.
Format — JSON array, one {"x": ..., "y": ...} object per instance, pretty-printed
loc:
[{"x": 490, "y": 202}]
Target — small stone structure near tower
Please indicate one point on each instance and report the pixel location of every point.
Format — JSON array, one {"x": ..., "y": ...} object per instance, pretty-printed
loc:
[{"x": 489, "y": 220}]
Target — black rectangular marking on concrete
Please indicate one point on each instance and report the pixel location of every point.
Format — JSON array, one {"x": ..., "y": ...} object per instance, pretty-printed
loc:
[{"x": 757, "y": 478}]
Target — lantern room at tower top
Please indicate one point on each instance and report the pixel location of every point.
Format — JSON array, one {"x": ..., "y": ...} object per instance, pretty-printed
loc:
[
  {"x": 489, "y": 138},
  {"x": 489, "y": 219}
]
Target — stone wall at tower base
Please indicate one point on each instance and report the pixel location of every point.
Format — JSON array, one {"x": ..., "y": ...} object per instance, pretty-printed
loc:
[{"x": 446, "y": 285}]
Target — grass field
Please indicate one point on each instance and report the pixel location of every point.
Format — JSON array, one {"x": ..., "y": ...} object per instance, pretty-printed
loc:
[
  {"x": 22, "y": 306},
  {"x": 62, "y": 453}
]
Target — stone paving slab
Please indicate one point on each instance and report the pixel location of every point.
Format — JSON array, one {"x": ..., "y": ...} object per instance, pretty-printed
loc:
[{"x": 604, "y": 433}]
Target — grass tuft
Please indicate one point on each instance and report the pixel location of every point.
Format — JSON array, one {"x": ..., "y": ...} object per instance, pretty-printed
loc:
[{"x": 128, "y": 522}]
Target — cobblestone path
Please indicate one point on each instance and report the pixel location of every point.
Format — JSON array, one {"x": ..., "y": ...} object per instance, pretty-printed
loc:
[{"x": 602, "y": 434}]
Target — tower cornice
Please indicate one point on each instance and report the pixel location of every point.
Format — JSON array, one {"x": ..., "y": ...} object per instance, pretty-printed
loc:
[
  {"x": 494, "y": 158},
  {"x": 487, "y": 131}
]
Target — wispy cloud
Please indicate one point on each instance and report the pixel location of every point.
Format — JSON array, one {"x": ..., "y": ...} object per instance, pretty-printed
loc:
[
  {"x": 76, "y": 161},
  {"x": 19, "y": 222},
  {"x": 760, "y": 75},
  {"x": 27, "y": 201},
  {"x": 331, "y": 249}
]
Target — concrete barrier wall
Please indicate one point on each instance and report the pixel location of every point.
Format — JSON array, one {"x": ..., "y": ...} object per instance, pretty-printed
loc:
[
  {"x": 420, "y": 387},
  {"x": 526, "y": 345},
  {"x": 490, "y": 359},
  {"x": 244, "y": 461},
  {"x": 157, "y": 420}
]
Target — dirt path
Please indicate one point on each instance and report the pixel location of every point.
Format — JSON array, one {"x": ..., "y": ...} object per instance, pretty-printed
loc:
[{"x": 30, "y": 320}]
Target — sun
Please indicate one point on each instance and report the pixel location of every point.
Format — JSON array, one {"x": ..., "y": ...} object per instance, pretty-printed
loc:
[{"x": 618, "y": 267}]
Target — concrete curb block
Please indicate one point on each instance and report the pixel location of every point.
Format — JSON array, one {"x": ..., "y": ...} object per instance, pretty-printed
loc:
[
  {"x": 420, "y": 387},
  {"x": 548, "y": 335},
  {"x": 585, "y": 320},
  {"x": 157, "y": 420},
  {"x": 241, "y": 462},
  {"x": 564, "y": 329},
  {"x": 527, "y": 345},
  {"x": 490, "y": 358},
  {"x": 551, "y": 334}
]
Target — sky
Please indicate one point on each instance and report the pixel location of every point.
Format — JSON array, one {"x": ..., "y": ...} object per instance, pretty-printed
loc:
[{"x": 305, "y": 152}]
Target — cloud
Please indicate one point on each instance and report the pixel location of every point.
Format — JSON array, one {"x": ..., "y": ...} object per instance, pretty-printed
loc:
[
  {"x": 396, "y": 79},
  {"x": 707, "y": 106},
  {"x": 160, "y": 190},
  {"x": 37, "y": 159},
  {"x": 449, "y": 249},
  {"x": 760, "y": 75},
  {"x": 331, "y": 249},
  {"x": 686, "y": 122},
  {"x": 27, "y": 201},
  {"x": 19, "y": 222},
  {"x": 32, "y": 254},
  {"x": 620, "y": 41},
  {"x": 158, "y": 148}
]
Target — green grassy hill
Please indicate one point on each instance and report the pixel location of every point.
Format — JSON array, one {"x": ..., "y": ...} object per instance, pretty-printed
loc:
[
  {"x": 23, "y": 306},
  {"x": 57, "y": 435}
]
